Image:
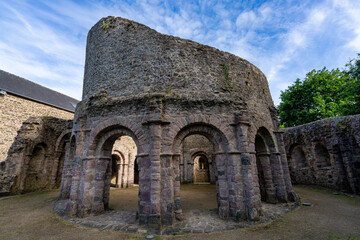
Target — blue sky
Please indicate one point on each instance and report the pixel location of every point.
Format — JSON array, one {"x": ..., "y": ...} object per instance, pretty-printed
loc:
[{"x": 44, "y": 41}]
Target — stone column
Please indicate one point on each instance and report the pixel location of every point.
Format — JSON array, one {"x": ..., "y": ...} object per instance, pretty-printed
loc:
[
  {"x": 167, "y": 189},
  {"x": 176, "y": 180},
  {"x": 291, "y": 195},
  {"x": 73, "y": 204},
  {"x": 222, "y": 185},
  {"x": 236, "y": 187},
  {"x": 118, "y": 178},
  {"x": 86, "y": 187},
  {"x": 278, "y": 177},
  {"x": 101, "y": 185},
  {"x": 144, "y": 187},
  {"x": 126, "y": 175},
  {"x": 252, "y": 197},
  {"x": 155, "y": 181},
  {"x": 120, "y": 174}
]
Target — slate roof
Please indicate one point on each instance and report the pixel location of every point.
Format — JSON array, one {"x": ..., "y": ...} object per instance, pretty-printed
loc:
[{"x": 30, "y": 90}]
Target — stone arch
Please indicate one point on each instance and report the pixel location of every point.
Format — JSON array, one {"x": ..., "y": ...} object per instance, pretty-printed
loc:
[
  {"x": 199, "y": 120},
  {"x": 221, "y": 146},
  {"x": 322, "y": 156},
  {"x": 212, "y": 133},
  {"x": 62, "y": 144},
  {"x": 64, "y": 136},
  {"x": 270, "y": 176},
  {"x": 201, "y": 168},
  {"x": 118, "y": 123},
  {"x": 297, "y": 158},
  {"x": 102, "y": 150},
  {"x": 34, "y": 179}
]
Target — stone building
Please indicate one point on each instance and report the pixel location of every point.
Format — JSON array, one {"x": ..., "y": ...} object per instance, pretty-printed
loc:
[
  {"x": 326, "y": 153},
  {"x": 161, "y": 90},
  {"x": 21, "y": 99}
]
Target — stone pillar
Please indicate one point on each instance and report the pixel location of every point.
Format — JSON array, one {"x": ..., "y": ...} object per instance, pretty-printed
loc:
[
  {"x": 252, "y": 197},
  {"x": 121, "y": 174},
  {"x": 118, "y": 179},
  {"x": 222, "y": 185},
  {"x": 126, "y": 175},
  {"x": 101, "y": 185},
  {"x": 144, "y": 187},
  {"x": 236, "y": 187},
  {"x": 176, "y": 174},
  {"x": 86, "y": 187},
  {"x": 291, "y": 195},
  {"x": 167, "y": 189},
  {"x": 72, "y": 206},
  {"x": 278, "y": 177},
  {"x": 155, "y": 181}
]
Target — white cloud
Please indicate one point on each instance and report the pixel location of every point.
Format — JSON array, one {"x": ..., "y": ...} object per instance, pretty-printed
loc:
[{"x": 45, "y": 42}]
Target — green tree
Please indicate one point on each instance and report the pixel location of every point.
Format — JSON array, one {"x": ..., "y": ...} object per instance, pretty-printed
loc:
[{"x": 323, "y": 93}]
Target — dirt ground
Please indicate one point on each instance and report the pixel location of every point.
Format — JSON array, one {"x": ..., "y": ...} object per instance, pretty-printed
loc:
[
  {"x": 30, "y": 216},
  {"x": 204, "y": 199}
]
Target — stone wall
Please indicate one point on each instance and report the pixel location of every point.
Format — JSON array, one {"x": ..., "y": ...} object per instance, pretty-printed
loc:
[
  {"x": 14, "y": 111},
  {"x": 36, "y": 157},
  {"x": 326, "y": 153},
  {"x": 195, "y": 147}
]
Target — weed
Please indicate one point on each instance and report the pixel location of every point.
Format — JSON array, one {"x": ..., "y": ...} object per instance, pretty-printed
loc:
[{"x": 227, "y": 80}]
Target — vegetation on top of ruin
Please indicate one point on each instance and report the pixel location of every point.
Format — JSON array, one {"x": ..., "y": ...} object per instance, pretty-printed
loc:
[{"x": 321, "y": 94}]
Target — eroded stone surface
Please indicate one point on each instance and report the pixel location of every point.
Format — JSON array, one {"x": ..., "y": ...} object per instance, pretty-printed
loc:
[
  {"x": 36, "y": 157},
  {"x": 326, "y": 153}
]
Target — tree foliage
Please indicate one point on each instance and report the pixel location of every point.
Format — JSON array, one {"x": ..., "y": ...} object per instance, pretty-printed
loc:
[{"x": 323, "y": 93}]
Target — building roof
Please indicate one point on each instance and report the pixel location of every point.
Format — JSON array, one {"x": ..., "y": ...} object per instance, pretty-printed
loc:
[{"x": 30, "y": 90}]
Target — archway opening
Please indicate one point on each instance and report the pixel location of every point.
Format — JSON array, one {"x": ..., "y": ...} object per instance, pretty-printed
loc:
[
  {"x": 34, "y": 176},
  {"x": 268, "y": 163},
  {"x": 261, "y": 155},
  {"x": 201, "y": 169},
  {"x": 123, "y": 193},
  {"x": 197, "y": 170},
  {"x": 63, "y": 146}
]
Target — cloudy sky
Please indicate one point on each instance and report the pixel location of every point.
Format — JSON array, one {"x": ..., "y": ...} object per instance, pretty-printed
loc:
[{"x": 44, "y": 41}]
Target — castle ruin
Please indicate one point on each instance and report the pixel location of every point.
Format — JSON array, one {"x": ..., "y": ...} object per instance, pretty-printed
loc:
[{"x": 160, "y": 91}]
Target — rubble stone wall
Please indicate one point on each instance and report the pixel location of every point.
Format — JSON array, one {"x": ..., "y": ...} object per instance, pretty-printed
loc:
[
  {"x": 326, "y": 153},
  {"x": 14, "y": 111},
  {"x": 36, "y": 157}
]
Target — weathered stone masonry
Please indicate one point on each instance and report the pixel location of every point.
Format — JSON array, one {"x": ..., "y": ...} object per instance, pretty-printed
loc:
[
  {"x": 158, "y": 90},
  {"x": 15, "y": 110},
  {"x": 326, "y": 153},
  {"x": 36, "y": 157}
]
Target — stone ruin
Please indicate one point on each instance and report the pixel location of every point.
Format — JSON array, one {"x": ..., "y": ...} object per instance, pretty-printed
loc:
[
  {"x": 36, "y": 157},
  {"x": 326, "y": 153},
  {"x": 160, "y": 91}
]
